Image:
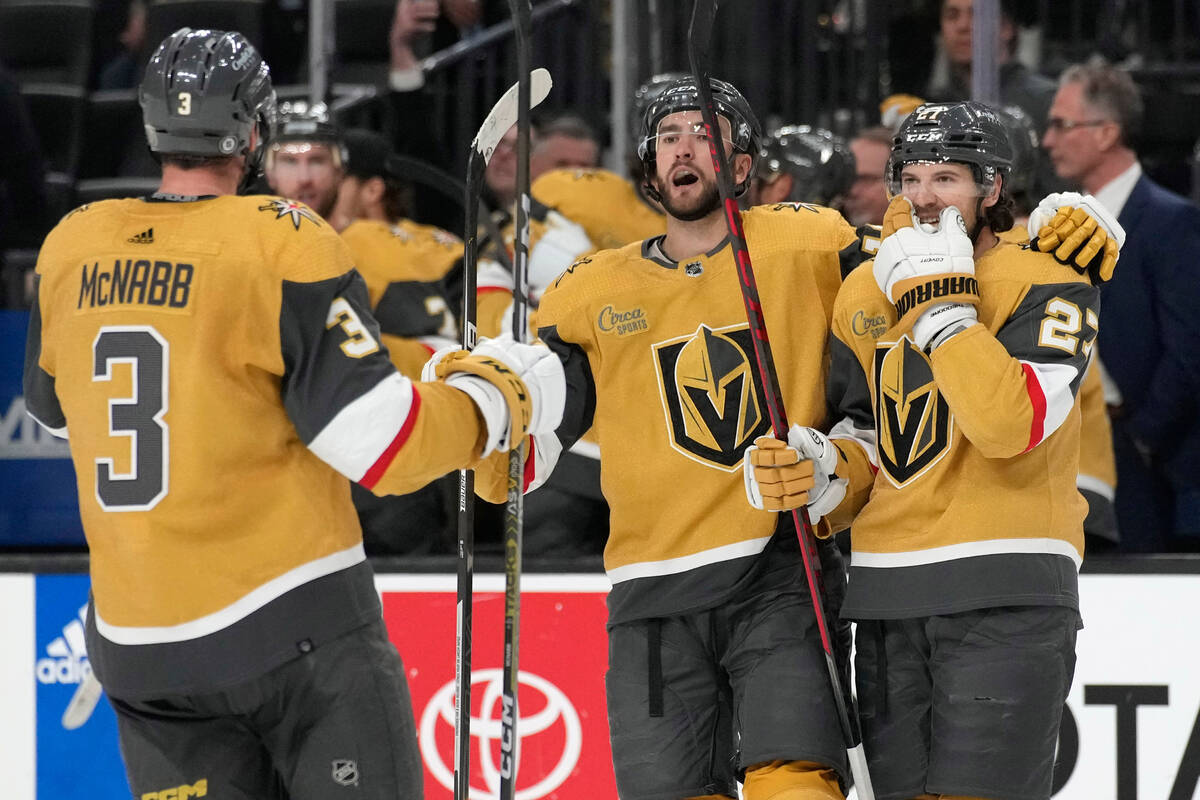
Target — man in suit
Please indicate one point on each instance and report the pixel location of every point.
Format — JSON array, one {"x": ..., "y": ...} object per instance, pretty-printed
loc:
[{"x": 1149, "y": 339}]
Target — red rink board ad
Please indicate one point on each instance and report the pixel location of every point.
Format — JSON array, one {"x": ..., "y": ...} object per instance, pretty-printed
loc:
[{"x": 562, "y": 728}]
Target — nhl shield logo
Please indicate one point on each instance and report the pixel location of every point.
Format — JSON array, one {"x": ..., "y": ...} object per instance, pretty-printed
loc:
[
  {"x": 345, "y": 772},
  {"x": 913, "y": 419},
  {"x": 709, "y": 389}
]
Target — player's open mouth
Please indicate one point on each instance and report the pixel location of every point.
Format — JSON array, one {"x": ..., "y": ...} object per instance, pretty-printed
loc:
[{"x": 684, "y": 177}]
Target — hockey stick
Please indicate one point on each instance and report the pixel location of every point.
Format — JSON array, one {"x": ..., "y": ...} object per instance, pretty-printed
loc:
[
  {"x": 514, "y": 507},
  {"x": 699, "y": 40},
  {"x": 83, "y": 702},
  {"x": 502, "y": 117}
]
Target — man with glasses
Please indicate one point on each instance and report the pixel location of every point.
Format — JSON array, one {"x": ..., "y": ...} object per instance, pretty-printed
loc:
[
  {"x": 1150, "y": 313},
  {"x": 867, "y": 199}
]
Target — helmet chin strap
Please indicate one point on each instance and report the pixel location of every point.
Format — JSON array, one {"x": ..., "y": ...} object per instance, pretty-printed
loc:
[{"x": 979, "y": 220}]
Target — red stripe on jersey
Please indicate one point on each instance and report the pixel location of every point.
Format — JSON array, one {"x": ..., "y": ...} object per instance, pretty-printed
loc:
[
  {"x": 485, "y": 289},
  {"x": 530, "y": 468},
  {"x": 385, "y": 460},
  {"x": 1037, "y": 398}
]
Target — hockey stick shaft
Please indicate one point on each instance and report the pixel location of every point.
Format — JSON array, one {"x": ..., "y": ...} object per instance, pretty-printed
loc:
[
  {"x": 502, "y": 117},
  {"x": 514, "y": 506},
  {"x": 699, "y": 39}
]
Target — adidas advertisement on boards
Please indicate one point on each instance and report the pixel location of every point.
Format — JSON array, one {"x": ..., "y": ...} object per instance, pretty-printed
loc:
[{"x": 71, "y": 753}]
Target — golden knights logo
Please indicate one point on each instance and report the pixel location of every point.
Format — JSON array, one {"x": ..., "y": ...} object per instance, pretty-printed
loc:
[
  {"x": 290, "y": 208},
  {"x": 710, "y": 392},
  {"x": 913, "y": 419}
]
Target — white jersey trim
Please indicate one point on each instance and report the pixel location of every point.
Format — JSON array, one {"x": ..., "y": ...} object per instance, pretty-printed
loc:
[
  {"x": 673, "y": 566},
  {"x": 1055, "y": 380},
  {"x": 361, "y": 432},
  {"x": 61, "y": 433},
  {"x": 1096, "y": 485},
  {"x": 586, "y": 449},
  {"x": 991, "y": 547},
  {"x": 239, "y": 609},
  {"x": 865, "y": 438}
]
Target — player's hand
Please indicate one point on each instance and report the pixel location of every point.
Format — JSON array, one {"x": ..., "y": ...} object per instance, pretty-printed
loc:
[
  {"x": 928, "y": 274},
  {"x": 413, "y": 17},
  {"x": 1079, "y": 231},
  {"x": 519, "y": 388},
  {"x": 560, "y": 244},
  {"x": 781, "y": 477}
]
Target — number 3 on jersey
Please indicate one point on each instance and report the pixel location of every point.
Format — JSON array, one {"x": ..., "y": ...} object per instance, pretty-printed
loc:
[
  {"x": 140, "y": 417},
  {"x": 359, "y": 340}
]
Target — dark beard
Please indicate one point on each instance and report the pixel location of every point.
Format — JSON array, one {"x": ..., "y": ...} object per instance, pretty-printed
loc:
[{"x": 707, "y": 203}]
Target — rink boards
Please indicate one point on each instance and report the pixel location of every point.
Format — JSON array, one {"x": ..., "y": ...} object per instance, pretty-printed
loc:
[{"x": 1130, "y": 730}]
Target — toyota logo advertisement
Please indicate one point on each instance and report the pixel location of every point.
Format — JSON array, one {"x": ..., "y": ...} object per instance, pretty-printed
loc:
[{"x": 562, "y": 728}]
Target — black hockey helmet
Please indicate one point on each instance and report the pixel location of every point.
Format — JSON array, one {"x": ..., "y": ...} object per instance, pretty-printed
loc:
[
  {"x": 682, "y": 95},
  {"x": 820, "y": 162},
  {"x": 967, "y": 132},
  {"x": 203, "y": 93},
  {"x": 298, "y": 121},
  {"x": 646, "y": 94}
]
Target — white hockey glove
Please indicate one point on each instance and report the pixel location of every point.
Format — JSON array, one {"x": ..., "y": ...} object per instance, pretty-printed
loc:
[
  {"x": 562, "y": 241},
  {"x": 1079, "y": 231},
  {"x": 519, "y": 388},
  {"x": 781, "y": 477},
  {"x": 928, "y": 274}
]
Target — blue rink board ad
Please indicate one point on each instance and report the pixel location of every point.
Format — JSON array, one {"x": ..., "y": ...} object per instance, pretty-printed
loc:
[{"x": 88, "y": 755}]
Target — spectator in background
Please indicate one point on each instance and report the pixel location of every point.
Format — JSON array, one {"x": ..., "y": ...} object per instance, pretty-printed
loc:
[
  {"x": 564, "y": 142},
  {"x": 1019, "y": 85},
  {"x": 23, "y": 210},
  {"x": 867, "y": 199},
  {"x": 412, "y": 111},
  {"x": 124, "y": 69},
  {"x": 1149, "y": 338}
]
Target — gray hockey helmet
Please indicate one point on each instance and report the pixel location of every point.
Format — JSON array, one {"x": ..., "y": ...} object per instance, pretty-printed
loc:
[
  {"x": 820, "y": 163},
  {"x": 967, "y": 132},
  {"x": 204, "y": 92}
]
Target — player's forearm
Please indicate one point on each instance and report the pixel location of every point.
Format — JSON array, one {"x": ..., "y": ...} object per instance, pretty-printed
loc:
[
  {"x": 446, "y": 434},
  {"x": 996, "y": 401}
]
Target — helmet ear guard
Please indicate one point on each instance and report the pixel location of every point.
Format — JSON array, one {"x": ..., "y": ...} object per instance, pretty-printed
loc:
[{"x": 682, "y": 95}]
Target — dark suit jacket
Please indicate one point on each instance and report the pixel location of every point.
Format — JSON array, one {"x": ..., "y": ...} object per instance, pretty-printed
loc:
[{"x": 1150, "y": 343}]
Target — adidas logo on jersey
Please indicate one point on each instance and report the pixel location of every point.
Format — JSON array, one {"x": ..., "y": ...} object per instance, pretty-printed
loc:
[
  {"x": 66, "y": 658},
  {"x": 145, "y": 237}
]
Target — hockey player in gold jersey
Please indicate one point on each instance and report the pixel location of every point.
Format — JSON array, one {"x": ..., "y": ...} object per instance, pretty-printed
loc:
[
  {"x": 957, "y": 357},
  {"x": 414, "y": 281},
  {"x": 220, "y": 376},
  {"x": 715, "y": 672}
]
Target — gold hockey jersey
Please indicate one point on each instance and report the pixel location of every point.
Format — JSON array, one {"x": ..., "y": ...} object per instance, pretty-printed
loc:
[
  {"x": 974, "y": 503},
  {"x": 220, "y": 377},
  {"x": 1097, "y": 478},
  {"x": 658, "y": 354},
  {"x": 415, "y": 287}
]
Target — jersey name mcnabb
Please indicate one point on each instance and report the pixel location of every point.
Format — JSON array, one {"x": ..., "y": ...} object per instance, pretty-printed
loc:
[
  {"x": 136, "y": 282},
  {"x": 709, "y": 386}
]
